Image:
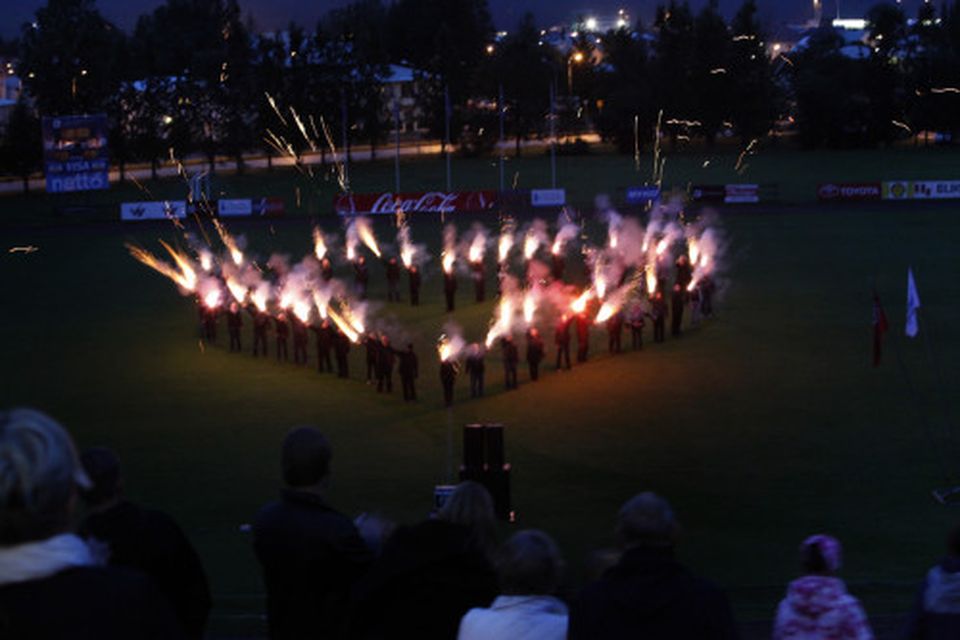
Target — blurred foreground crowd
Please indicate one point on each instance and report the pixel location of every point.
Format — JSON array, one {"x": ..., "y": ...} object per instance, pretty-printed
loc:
[{"x": 124, "y": 571}]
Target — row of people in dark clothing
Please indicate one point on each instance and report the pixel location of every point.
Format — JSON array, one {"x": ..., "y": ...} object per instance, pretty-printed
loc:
[{"x": 130, "y": 572}]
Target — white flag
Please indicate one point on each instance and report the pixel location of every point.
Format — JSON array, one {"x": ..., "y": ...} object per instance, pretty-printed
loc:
[{"x": 913, "y": 305}]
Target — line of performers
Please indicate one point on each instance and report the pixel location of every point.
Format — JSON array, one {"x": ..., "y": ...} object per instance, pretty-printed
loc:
[{"x": 382, "y": 359}]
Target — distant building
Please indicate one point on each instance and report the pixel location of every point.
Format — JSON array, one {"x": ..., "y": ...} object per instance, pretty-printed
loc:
[{"x": 401, "y": 100}]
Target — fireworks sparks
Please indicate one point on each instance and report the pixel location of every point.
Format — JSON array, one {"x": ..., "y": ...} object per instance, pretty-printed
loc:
[
  {"x": 503, "y": 321},
  {"x": 185, "y": 275},
  {"x": 365, "y": 231},
  {"x": 237, "y": 290},
  {"x": 477, "y": 247},
  {"x": 530, "y": 245},
  {"x": 27, "y": 249},
  {"x": 531, "y": 301},
  {"x": 579, "y": 305}
]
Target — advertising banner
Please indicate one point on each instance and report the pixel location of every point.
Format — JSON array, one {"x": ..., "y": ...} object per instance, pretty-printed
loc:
[
  {"x": 741, "y": 194},
  {"x": 850, "y": 191},
  {"x": 548, "y": 197},
  {"x": 643, "y": 194},
  {"x": 75, "y": 153},
  {"x": 230, "y": 208},
  {"x": 922, "y": 190},
  {"x": 708, "y": 192},
  {"x": 420, "y": 202},
  {"x": 153, "y": 210}
]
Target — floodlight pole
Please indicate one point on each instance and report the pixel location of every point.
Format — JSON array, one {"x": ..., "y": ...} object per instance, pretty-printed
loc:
[
  {"x": 396, "y": 138},
  {"x": 553, "y": 136},
  {"x": 500, "y": 154},
  {"x": 446, "y": 136}
]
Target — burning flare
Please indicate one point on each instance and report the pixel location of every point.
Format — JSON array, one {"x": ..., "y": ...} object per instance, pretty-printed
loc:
[
  {"x": 579, "y": 305},
  {"x": 530, "y": 245},
  {"x": 366, "y": 236},
  {"x": 501, "y": 325},
  {"x": 237, "y": 290},
  {"x": 260, "y": 296},
  {"x": 651, "y": 274},
  {"x": 504, "y": 245},
  {"x": 319, "y": 244},
  {"x": 407, "y": 250},
  {"x": 477, "y": 248},
  {"x": 530, "y": 303},
  {"x": 230, "y": 243}
]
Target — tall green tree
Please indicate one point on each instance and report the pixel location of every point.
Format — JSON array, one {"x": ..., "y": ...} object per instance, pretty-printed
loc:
[
  {"x": 629, "y": 112},
  {"x": 70, "y": 57},
  {"x": 20, "y": 150},
  {"x": 710, "y": 73},
  {"x": 755, "y": 97},
  {"x": 674, "y": 61}
]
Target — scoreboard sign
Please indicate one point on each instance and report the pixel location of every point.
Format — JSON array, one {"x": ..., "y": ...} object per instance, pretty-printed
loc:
[{"x": 75, "y": 153}]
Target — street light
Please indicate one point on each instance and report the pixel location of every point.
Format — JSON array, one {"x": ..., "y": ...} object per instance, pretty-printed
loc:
[{"x": 577, "y": 57}]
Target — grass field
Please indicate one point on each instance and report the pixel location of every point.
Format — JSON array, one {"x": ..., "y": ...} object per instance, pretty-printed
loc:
[{"x": 761, "y": 426}]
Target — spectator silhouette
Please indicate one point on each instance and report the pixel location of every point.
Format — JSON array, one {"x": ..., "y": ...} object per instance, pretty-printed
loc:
[
  {"x": 936, "y": 613},
  {"x": 817, "y": 604},
  {"x": 432, "y": 573},
  {"x": 528, "y": 568},
  {"x": 50, "y": 586},
  {"x": 648, "y": 594},
  {"x": 310, "y": 554},
  {"x": 143, "y": 539}
]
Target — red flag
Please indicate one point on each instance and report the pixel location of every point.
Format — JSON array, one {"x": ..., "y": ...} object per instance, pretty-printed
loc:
[{"x": 880, "y": 326}]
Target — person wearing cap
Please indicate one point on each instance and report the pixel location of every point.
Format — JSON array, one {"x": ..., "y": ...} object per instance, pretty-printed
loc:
[
  {"x": 52, "y": 584},
  {"x": 936, "y": 612},
  {"x": 648, "y": 594},
  {"x": 310, "y": 554},
  {"x": 147, "y": 540},
  {"x": 528, "y": 568},
  {"x": 817, "y": 604}
]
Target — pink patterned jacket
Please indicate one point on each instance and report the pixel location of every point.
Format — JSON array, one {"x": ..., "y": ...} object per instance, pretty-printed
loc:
[{"x": 819, "y": 608}]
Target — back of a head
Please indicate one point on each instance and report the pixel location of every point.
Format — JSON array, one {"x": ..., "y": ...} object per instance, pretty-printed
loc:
[
  {"x": 820, "y": 554},
  {"x": 39, "y": 472},
  {"x": 470, "y": 505},
  {"x": 647, "y": 520},
  {"x": 103, "y": 469},
  {"x": 305, "y": 457},
  {"x": 529, "y": 563}
]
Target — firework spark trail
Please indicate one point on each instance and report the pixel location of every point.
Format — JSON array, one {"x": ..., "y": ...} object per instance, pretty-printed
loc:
[
  {"x": 273, "y": 105},
  {"x": 337, "y": 163},
  {"x": 319, "y": 244},
  {"x": 743, "y": 155},
  {"x": 236, "y": 254},
  {"x": 303, "y": 130}
]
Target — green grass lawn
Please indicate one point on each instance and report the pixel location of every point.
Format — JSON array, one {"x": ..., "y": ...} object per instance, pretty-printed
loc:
[{"x": 761, "y": 426}]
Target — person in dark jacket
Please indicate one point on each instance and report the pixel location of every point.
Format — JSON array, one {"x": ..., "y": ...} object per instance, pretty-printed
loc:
[
  {"x": 561, "y": 337},
  {"x": 636, "y": 320},
  {"x": 448, "y": 376},
  {"x": 326, "y": 270},
  {"x": 648, "y": 594},
  {"x": 450, "y": 289},
  {"x": 936, "y": 611},
  {"x": 144, "y": 539},
  {"x": 479, "y": 275},
  {"x": 684, "y": 274},
  {"x": 261, "y": 324},
  {"x": 475, "y": 369},
  {"x": 678, "y": 298},
  {"x": 430, "y": 574},
  {"x": 283, "y": 330},
  {"x": 707, "y": 289},
  {"x": 615, "y": 333},
  {"x": 372, "y": 350},
  {"x": 414, "y": 275},
  {"x": 361, "y": 277},
  {"x": 209, "y": 323},
  {"x": 511, "y": 357},
  {"x": 534, "y": 352},
  {"x": 583, "y": 336},
  {"x": 50, "y": 583},
  {"x": 341, "y": 348},
  {"x": 300, "y": 339},
  {"x": 658, "y": 310},
  {"x": 385, "y": 361},
  {"x": 557, "y": 266},
  {"x": 409, "y": 370},
  {"x": 310, "y": 554},
  {"x": 325, "y": 338},
  {"x": 393, "y": 280},
  {"x": 234, "y": 325}
]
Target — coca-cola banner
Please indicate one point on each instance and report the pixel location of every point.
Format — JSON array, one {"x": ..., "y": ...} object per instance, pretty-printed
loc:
[{"x": 424, "y": 202}]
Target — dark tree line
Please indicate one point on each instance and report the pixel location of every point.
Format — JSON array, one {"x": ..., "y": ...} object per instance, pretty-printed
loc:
[{"x": 194, "y": 78}]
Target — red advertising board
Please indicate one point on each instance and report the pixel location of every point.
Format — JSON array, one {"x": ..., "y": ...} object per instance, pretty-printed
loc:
[
  {"x": 850, "y": 191},
  {"x": 422, "y": 202}
]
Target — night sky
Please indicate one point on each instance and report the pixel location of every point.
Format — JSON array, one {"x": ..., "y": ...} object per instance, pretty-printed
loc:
[{"x": 273, "y": 14}]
